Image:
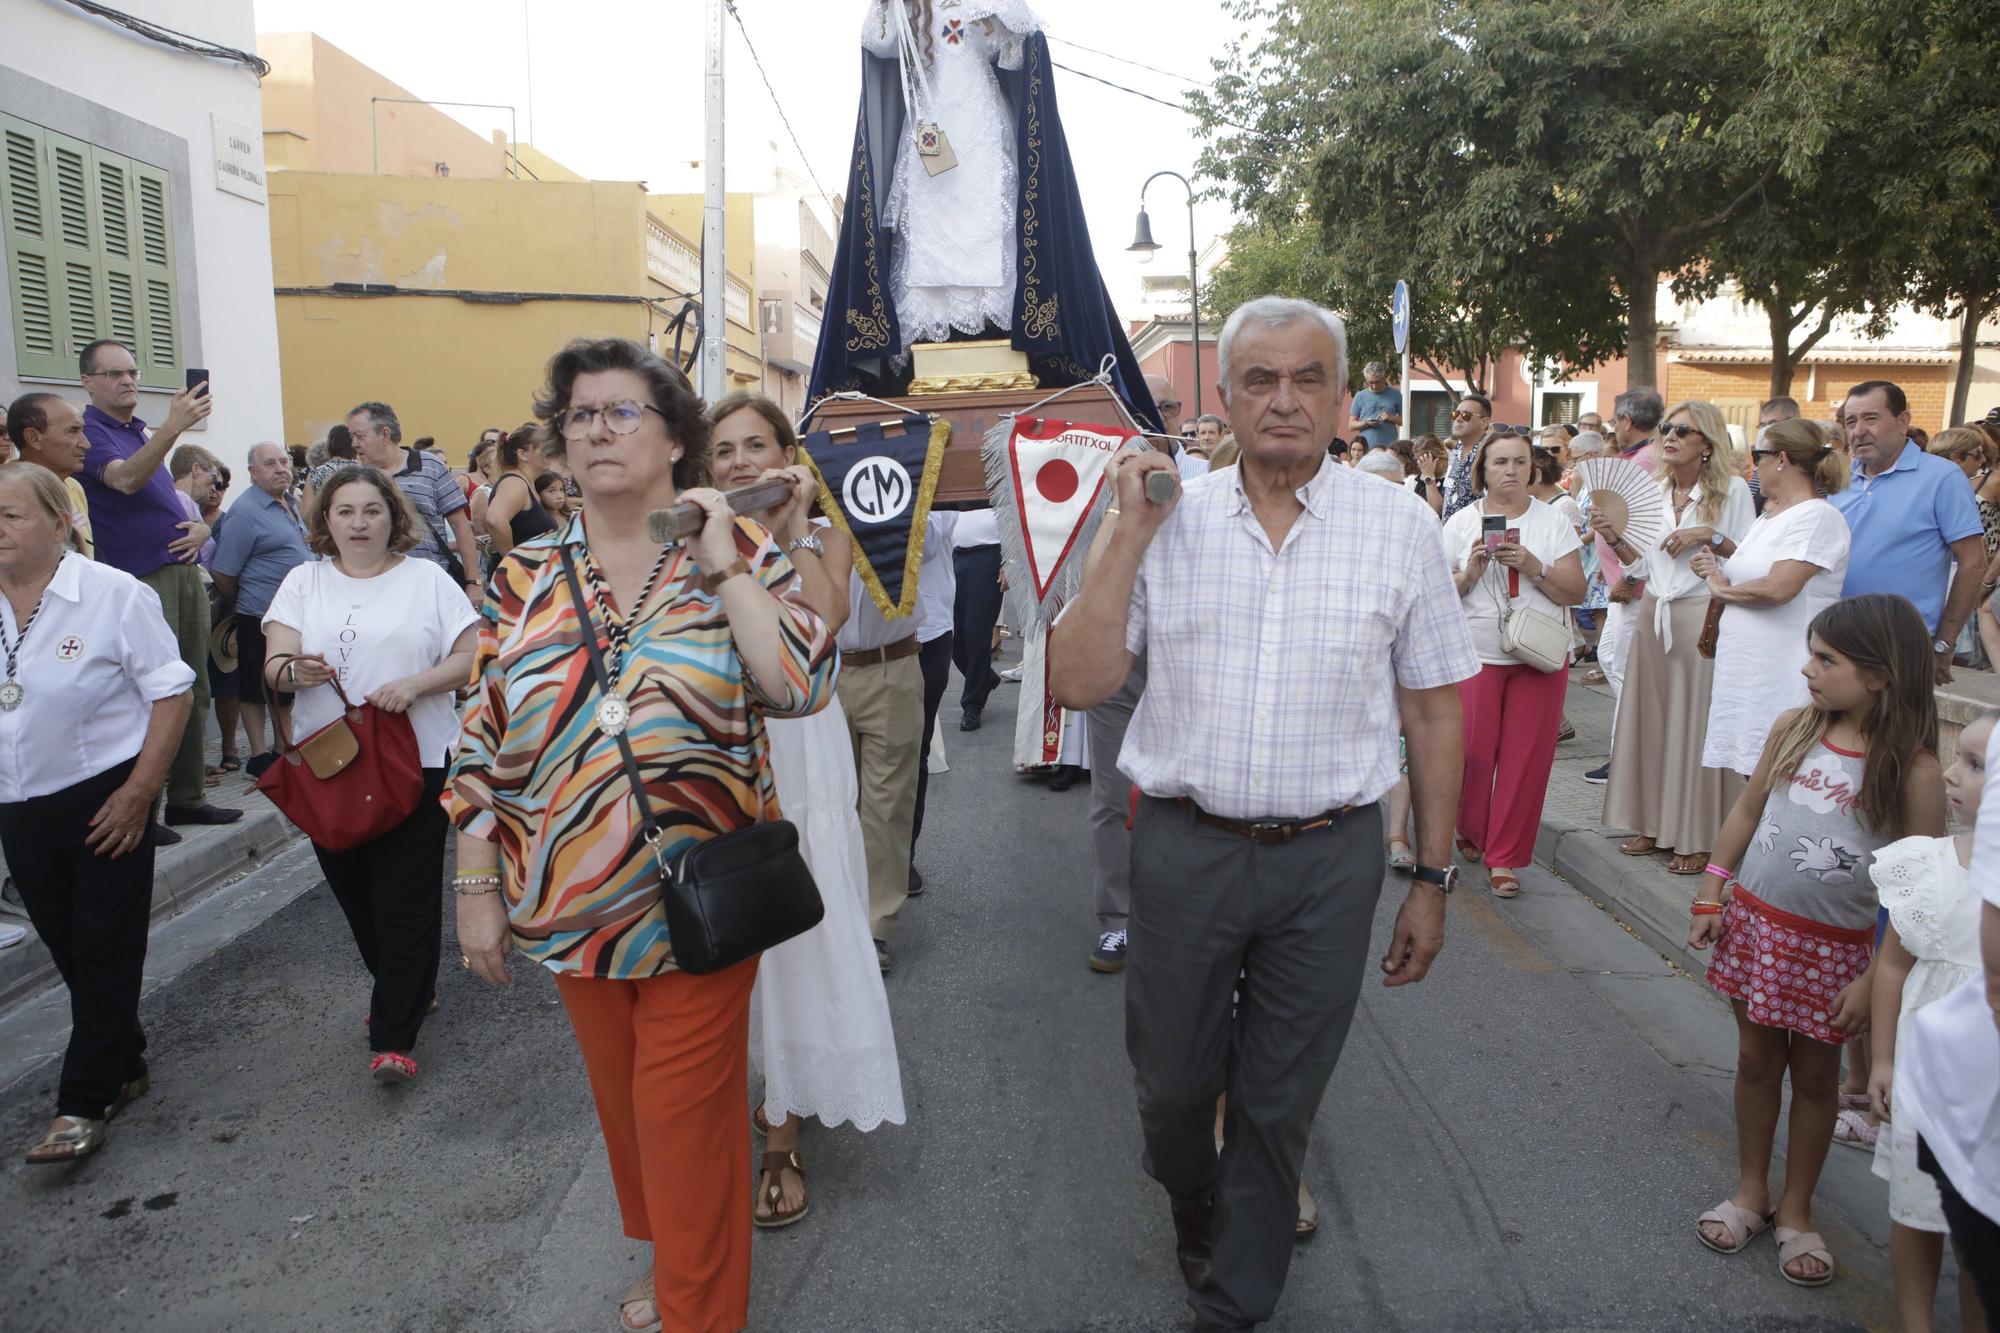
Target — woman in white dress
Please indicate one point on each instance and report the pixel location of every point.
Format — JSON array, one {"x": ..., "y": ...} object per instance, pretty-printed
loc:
[
  {"x": 953, "y": 266},
  {"x": 819, "y": 1015},
  {"x": 1788, "y": 568}
]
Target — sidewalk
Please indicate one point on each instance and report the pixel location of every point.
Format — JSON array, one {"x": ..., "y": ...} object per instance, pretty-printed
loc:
[
  {"x": 1637, "y": 890},
  {"x": 207, "y": 856}
]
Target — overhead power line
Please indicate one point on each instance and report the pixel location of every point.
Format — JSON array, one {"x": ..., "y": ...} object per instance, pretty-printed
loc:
[
  {"x": 787, "y": 120},
  {"x": 1178, "y": 106},
  {"x": 1137, "y": 64}
]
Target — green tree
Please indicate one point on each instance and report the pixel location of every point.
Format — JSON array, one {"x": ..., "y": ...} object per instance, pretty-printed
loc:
[
  {"x": 1909, "y": 94},
  {"x": 1451, "y": 340},
  {"x": 1556, "y": 157}
]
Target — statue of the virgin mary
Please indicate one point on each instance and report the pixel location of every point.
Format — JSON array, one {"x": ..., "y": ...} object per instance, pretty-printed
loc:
[{"x": 962, "y": 217}]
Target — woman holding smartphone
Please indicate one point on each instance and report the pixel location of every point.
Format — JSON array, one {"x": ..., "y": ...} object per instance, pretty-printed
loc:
[{"x": 1509, "y": 552}]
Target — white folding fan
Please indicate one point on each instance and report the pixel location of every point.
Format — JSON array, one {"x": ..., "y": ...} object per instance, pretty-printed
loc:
[{"x": 1627, "y": 495}]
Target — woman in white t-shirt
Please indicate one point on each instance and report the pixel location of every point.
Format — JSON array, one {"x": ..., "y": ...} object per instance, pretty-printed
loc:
[
  {"x": 398, "y": 633},
  {"x": 1512, "y": 710},
  {"x": 1788, "y": 568}
]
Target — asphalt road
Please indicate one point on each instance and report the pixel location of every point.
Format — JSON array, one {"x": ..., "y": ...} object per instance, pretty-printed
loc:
[{"x": 1521, "y": 1142}]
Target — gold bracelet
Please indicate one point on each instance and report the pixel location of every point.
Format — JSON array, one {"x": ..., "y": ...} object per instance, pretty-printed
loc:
[
  {"x": 464, "y": 892},
  {"x": 478, "y": 877}
]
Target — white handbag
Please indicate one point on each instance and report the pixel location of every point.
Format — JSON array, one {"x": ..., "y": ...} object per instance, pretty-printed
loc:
[{"x": 1533, "y": 638}]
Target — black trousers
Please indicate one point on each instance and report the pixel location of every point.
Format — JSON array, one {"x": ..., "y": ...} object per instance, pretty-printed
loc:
[
  {"x": 92, "y": 912},
  {"x": 1284, "y": 930},
  {"x": 974, "y": 614},
  {"x": 934, "y": 660},
  {"x": 1974, "y": 1235},
  {"x": 392, "y": 890}
]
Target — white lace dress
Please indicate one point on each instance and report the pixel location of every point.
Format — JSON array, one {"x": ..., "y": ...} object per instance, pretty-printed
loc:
[
  {"x": 819, "y": 1016},
  {"x": 953, "y": 264},
  {"x": 1935, "y": 910}
]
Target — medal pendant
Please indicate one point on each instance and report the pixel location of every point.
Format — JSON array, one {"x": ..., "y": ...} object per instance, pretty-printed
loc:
[
  {"x": 613, "y": 715},
  {"x": 11, "y": 695}
]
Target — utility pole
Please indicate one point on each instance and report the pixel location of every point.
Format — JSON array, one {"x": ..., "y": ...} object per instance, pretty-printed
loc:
[{"x": 714, "y": 272}]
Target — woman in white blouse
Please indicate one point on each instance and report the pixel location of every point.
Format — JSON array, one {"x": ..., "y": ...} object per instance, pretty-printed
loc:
[
  {"x": 92, "y": 705},
  {"x": 398, "y": 633},
  {"x": 1659, "y": 787},
  {"x": 1789, "y": 568},
  {"x": 1511, "y": 709}
]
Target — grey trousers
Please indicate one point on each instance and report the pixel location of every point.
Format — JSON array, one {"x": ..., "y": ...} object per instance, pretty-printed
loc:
[
  {"x": 1110, "y": 800},
  {"x": 1292, "y": 922}
]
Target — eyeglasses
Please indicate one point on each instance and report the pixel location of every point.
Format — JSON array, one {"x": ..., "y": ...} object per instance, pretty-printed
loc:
[
  {"x": 620, "y": 418},
  {"x": 1466, "y": 416},
  {"x": 1759, "y": 455},
  {"x": 1171, "y": 405},
  {"x": 132, "y": 374},
  {"x": 1683, "y": 432}
]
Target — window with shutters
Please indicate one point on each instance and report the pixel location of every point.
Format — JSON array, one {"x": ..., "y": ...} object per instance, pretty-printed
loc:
[{"x": 90, "y": 254}]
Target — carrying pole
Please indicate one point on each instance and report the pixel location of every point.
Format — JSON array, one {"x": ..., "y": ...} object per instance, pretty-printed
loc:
[{"x": 714, "y": 271}]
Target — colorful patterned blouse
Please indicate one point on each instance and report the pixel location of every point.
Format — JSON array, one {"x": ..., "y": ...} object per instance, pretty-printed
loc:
[{"x": 536, "y": 775}]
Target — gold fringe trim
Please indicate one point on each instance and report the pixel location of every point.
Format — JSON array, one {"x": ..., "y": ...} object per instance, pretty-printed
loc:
[{"x": 914, "y": 554}]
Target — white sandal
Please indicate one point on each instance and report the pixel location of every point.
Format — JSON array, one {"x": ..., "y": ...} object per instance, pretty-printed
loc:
[
  {"x": 1742, "y": 1225},
  {"x": 1794, "y": 1245}
]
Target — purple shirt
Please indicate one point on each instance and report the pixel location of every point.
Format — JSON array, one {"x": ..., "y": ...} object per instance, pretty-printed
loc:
[{"x": 132, "y": 530}]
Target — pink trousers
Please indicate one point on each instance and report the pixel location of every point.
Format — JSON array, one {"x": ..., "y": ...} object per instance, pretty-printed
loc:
[{"x": 1512, "y": 714}]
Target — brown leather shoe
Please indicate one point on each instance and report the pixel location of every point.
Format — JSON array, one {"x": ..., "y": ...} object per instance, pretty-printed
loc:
[{"x": 1191, "y": 1247}]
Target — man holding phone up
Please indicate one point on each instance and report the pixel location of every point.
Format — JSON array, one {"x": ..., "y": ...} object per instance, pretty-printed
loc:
[{"x": 136, "y": 516}]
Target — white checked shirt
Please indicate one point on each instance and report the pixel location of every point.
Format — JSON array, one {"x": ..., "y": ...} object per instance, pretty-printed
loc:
[{"x": 1271, "y": 675}]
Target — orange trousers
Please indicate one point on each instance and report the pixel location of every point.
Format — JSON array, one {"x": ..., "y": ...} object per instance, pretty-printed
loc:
[{"x": 668, "y": 1060}]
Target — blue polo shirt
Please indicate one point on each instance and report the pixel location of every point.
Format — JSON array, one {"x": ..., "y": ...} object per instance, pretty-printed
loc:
[
  {"x": 261, "y": 543},
  {"x": 1369, "y": 402},
  {"x": 1902, "y": 524}
]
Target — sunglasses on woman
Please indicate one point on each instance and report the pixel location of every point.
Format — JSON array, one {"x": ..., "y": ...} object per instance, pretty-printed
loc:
[{"x": 1683, "y": 432}]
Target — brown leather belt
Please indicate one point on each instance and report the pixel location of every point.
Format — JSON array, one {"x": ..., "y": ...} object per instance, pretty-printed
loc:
[
  {"x": 894, "y": 652},
  {"x": 1265, "y": 832}
]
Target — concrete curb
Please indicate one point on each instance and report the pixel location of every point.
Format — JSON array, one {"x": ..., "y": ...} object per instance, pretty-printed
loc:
[
  {"x": 182, "y": 877},
  {"x": 1588, "y": 860}
]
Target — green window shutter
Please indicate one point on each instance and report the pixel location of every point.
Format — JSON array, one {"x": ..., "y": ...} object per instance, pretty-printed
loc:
[
  {"x": 27, "y": 221},
  {"x": 122, "y": 288},
  {"x": 155, "y": 284},
  {"x": 90, "y": 254},
  {"x": 75, "y": 231}
]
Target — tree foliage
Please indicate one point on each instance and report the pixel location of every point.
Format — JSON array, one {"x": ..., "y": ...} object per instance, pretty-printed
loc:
[{"x": 1540, "y": 162}]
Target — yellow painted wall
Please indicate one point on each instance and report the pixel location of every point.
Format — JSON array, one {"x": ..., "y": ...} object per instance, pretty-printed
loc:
[
  {"x": 449, "y": 366},
  {"x": 318, "y": 91}
]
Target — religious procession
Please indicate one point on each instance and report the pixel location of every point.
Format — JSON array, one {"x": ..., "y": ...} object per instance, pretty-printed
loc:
[{"x": 938, "y": 779}]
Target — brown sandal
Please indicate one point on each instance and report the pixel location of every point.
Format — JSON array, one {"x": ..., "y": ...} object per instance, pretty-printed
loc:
[
  {"x": 1693, "y": 863},
  {"x": 772, "y": 1164},
  {"x": 1504, "y": 883},
  {"x": 1465, "y": 849},
  {"x": 1632, "y": 845}
]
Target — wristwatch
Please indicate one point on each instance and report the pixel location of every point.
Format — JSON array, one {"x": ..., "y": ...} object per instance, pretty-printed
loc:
[
  {"x": 1715, "y": 539},
  {"x": 1445, "y": 879},
  {"x": 1940, "y": 645},
  {"x": 809, "y": 542}
]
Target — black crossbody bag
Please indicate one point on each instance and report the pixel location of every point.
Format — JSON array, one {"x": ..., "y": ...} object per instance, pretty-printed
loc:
[{"x": 729, "y": 897}]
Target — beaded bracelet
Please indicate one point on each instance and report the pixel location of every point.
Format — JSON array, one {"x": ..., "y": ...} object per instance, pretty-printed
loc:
[{"x": 463, "y": 885}]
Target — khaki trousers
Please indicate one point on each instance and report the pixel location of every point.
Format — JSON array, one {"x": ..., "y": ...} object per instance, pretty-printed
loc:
[
  {"x": 184, "y": 604},
  {"x": 885, "y": 720}
]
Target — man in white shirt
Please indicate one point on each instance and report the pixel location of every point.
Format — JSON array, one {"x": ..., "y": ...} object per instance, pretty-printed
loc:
[
  {"x": 1277, "y": 664},
  {"x": 937, "y": 590},
  {"x": 976, "y": 562}
]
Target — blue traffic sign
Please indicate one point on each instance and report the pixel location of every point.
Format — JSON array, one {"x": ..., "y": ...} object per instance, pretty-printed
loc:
[{"x": 1399, "y": 316}]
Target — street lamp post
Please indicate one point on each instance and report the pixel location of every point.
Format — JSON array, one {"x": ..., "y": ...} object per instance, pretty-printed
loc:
[{"x": 1144, "y": 244}]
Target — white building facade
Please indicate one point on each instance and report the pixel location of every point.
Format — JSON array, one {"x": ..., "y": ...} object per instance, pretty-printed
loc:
[{"x": 132, "y": 206}]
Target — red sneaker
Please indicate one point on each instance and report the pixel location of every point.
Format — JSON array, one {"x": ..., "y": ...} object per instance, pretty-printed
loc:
[{"x": 392, "y": 1067}]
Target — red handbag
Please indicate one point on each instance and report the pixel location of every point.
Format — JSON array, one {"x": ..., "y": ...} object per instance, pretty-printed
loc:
[{"x": 354, "y": 779}]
